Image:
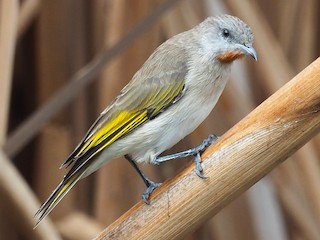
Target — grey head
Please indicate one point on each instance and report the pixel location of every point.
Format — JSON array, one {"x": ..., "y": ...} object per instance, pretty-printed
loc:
[{"x": 227, "y": 38}]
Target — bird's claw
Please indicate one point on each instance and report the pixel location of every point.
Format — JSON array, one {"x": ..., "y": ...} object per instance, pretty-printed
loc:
[
  {"x": 199, "y": 149},
  {"x": 146, "y": 194},
  {"x": 199, "y": 169}
]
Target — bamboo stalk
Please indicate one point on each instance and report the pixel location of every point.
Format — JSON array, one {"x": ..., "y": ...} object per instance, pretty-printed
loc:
[
  {"x": 28, "y": 12},
  {"x": 8, "y": 28},
  {"x": 287, "y": 25},
  {"x": 307, "y": 37},
  {"x": 246, "y": 153}
]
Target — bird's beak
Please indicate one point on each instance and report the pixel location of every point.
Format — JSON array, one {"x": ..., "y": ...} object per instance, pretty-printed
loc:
[{"x": 249, "y": 50}]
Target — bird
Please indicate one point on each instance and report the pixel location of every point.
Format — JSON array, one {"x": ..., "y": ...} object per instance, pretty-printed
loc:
[{"x": 166, "y": 99}]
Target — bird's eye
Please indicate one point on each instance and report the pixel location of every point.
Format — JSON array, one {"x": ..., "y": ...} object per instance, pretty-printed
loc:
[{"x": 225, "y": 32}]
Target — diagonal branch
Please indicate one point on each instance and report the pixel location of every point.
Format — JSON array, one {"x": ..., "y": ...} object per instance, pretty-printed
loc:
[{"x": 246, "y": 153}]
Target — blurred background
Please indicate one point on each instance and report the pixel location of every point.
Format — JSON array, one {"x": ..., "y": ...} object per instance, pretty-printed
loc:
[{"x": 62, "y": 62}]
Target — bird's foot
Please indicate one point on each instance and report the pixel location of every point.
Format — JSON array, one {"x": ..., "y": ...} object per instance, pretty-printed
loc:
[
  {"x": 191, "y": 152},
  {"x": 151, "y": 187},
  {"x": 199, "y": 169},
  {"x": 198, "y": 150}
]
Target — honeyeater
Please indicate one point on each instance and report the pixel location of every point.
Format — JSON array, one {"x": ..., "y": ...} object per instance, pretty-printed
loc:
[{"x": 168, "y": 97}]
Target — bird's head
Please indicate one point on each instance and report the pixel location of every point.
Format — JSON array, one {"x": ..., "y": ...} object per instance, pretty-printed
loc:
[{"x": 227, "y": 38}]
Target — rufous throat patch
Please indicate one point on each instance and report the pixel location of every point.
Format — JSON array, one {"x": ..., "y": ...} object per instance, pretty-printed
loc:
[{"x": 230, "y": 56}]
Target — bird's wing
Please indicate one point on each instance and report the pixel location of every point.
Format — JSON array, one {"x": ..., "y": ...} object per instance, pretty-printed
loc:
[
  {"x": 132, "y": 108},
  {"x": 135, "y": 105}
]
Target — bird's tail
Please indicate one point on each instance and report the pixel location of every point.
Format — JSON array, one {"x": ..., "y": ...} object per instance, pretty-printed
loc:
[{"x": 61, "y": 190}]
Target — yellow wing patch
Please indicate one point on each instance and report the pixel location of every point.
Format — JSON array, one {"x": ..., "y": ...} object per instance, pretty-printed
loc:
[
  {"x": 137, "y": 107},
  {"x": 127, "y": 120},
  {"x": 120, "y": 125}
]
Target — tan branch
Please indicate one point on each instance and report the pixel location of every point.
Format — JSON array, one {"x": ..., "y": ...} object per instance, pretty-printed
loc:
[{"x": 246, "y": 153}]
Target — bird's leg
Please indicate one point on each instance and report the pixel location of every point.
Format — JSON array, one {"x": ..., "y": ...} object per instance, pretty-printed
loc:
[
  {"x": 194, "y": 151},
  {"x": 151, "y": 186}
]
